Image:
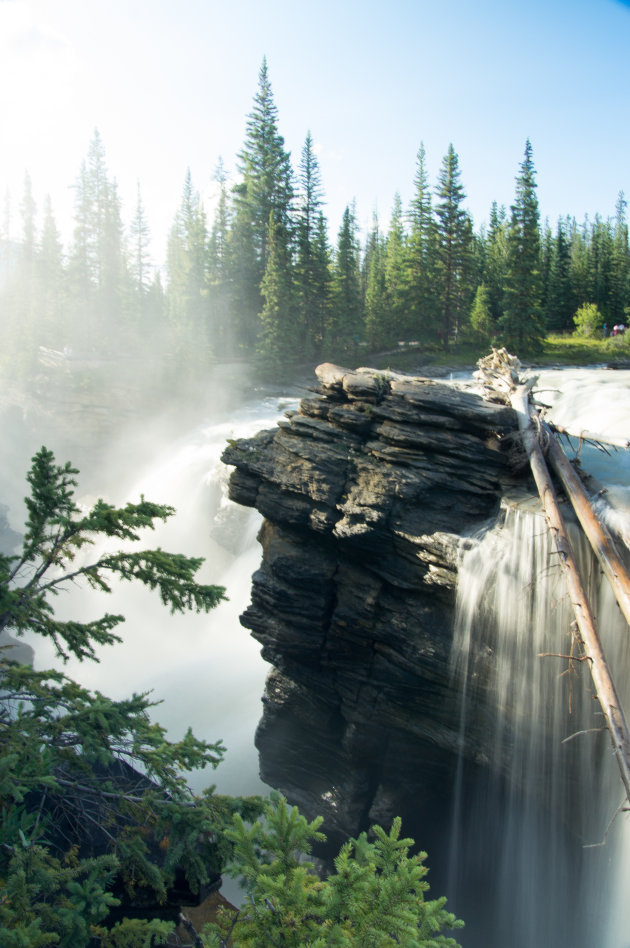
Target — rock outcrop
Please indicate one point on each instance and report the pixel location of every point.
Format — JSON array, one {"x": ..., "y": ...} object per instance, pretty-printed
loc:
[{"x": 368, "y": 492}]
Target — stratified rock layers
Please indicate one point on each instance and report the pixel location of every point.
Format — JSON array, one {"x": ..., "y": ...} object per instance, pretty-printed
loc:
[{"x": 366, "y": 492}]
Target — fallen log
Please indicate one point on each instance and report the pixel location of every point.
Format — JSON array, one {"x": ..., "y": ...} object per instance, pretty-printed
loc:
[
  {"x": 597, "y": 439},
  {"x": 598, "y": 536},
  {"x": 588, "y": 634}
]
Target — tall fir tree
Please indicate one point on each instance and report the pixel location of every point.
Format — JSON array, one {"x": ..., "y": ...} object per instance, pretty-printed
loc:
[
  {"x": 521, "y": 325},
  {"x": 51, "y": 282},
  {"x": 579, "y": 238},
  {"x": 97, "y": 274},
  {"x": 308, "y": 263},
  {"x": 187, "y": 291},
  {"x": 559, "y": 302},
  {"x": 266, "y": 189},
  {"x": 346, "y": 324},
  {"x": 395, "y": 270},
  {"x": 279, "y": 341},
  {"x": 454, "y": 245},
  {"x": 320, "y": 301},
  {"x": 140, "y": 269},
  {"x": 374, "y": 288},
  {"x": 495, "y": 262},
  {"x": 420, "y": 283},
  {"x": 219, "y": 270},
  {"x": 619, "y": 293}
]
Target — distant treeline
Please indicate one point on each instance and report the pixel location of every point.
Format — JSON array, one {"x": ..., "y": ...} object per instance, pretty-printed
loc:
[{"x": 262, "y": 280}]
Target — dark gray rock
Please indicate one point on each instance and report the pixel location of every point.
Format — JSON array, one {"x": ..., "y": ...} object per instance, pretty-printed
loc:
[{"x": 367, "y": 492}]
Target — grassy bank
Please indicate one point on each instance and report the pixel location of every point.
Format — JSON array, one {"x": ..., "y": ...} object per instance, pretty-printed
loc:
[{"x": 557, "y": 350}]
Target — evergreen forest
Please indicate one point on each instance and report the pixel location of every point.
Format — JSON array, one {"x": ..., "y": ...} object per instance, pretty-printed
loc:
[{"x": 264, "y": 281}]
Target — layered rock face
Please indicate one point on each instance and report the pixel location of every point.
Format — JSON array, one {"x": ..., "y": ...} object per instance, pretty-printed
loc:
[{"x": 368, "y": 492}]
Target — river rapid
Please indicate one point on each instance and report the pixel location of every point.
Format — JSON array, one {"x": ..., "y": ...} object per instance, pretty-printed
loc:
[{"x": 208, "y": 672}]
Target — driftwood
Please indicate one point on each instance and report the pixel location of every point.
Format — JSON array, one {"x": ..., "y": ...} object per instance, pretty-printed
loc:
[
  {"x": 518, "y": 394},
  {"x": 597, "y": 439},
  {"x": 598, "y": 536}
]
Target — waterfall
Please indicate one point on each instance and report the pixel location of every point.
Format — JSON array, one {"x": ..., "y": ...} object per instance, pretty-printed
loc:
[
  {"x": 206, "y": 669},
  {"x": 541, "y": 789}
]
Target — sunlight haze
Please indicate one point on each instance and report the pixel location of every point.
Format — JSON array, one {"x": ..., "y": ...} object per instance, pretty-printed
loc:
[{"x": 169, "y": 86}]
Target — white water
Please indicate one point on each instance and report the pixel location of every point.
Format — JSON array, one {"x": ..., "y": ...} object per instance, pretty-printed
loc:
[
  {"x": 532, "y": 886},
  {"x": 206, "y": 669},
  {"x": 524, "y": 871}
]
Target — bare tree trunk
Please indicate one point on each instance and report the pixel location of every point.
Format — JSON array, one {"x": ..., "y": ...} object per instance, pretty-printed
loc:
[
  {"x": 604, "y": 686},
  {"x": 601, "y": 541}
]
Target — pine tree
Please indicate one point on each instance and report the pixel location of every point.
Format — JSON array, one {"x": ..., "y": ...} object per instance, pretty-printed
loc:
[
  {"x": 308, "y": 269},
  {"x": 92, "y": 791},
  {"x": 347, "y": 311},
  {"x": 266, "y": 188},
  {"x": 219, "y": 270},
  {"x": 51, "y": 282},
  {"x": 454, "y": 243},
  {"x": 375, "y": 296},
  {"x": 374, "y": 898},
  {"x": 481, "y": 321},
  {"x": 279, "y": 340},
  {"x": 579, "y": 238},
  {"x": 619, "y": 293},
  {"x": 521, "y": 325},
  {"x": 395, "y": 272},
  {"x": 320, "y": 301},
  {"x": 560, "y": 302},
  {"x": 420, "y": 282},
  {"x": 187, "y": 292},
  {"x": 97, "y": 266},
  {"x": 140, "y": 269},
  {"x": 495, "y": 262}
]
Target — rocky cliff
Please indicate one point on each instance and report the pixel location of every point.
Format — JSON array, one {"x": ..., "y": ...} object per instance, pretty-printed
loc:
[{"x": 368, "y": 492}]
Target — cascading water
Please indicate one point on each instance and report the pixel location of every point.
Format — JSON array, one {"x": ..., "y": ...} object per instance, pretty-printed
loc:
[
  {"x": 537, "y": 786},
  {"x": 205, "y": 668},
  {"x": 527, "y": 804}
]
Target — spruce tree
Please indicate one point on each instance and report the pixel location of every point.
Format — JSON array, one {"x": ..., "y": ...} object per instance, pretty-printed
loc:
[
  {"x": 579, "y": 238},
  {"x": 375, "y": 897},
  {"x": 221, "y": 335},
  {"x": 346, "y": 323},
  {"x": 140, "y": 270},
  {"x": 420, "y": 282},
  {"x": 453, "y": 257},
  {"x": 51, "y": 282},
  {"x": 375, "y": 295},
  {"x": 93, "y": 792},
  {"x": 320, "y": 301},
  {"x": 308, "y": 273},
  {"x": 97, "y": 266},
  {"x": 266, "y": 188},
  {"x": 187, "y": 293},
  {"x": 279, "y": 340},
  {"x": 495, "y": 261},
  {"x": 560, "y": 302},
  {"x": 521, "y": 325},
  {"x": 619, "y": 293},
  {"x": 395, "y": 269}
]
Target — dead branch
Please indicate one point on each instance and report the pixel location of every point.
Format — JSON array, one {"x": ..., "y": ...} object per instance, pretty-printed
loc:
[
  {"x": 588, "y": 730},
  {"x": 503, "y": 367},
  {"x": 600, "y": 539}
]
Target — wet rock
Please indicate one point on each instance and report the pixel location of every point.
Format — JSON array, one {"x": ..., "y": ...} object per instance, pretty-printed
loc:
[{"x": 367, "y": 493}]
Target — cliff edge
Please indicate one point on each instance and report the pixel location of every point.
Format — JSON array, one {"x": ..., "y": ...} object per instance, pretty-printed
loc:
[{"x": 368, "y": 492}]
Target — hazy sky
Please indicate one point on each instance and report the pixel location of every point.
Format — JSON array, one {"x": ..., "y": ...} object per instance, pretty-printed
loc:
[{"x": 169, "y": 85}]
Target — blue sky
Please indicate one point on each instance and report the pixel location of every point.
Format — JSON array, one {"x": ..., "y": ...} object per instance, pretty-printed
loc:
[{"x": 169, "y": 85}]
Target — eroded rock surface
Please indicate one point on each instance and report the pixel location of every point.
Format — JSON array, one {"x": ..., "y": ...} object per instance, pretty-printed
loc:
[{"x": 367, "y": 492}]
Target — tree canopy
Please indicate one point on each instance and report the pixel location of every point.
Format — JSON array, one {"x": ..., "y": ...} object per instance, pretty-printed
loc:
[
  {"x": 94, "y": 803},
  {"x": 268, "y": 277}
]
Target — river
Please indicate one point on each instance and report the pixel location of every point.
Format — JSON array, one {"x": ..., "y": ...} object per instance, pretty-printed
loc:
[{"x": 208, "y": 672}]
